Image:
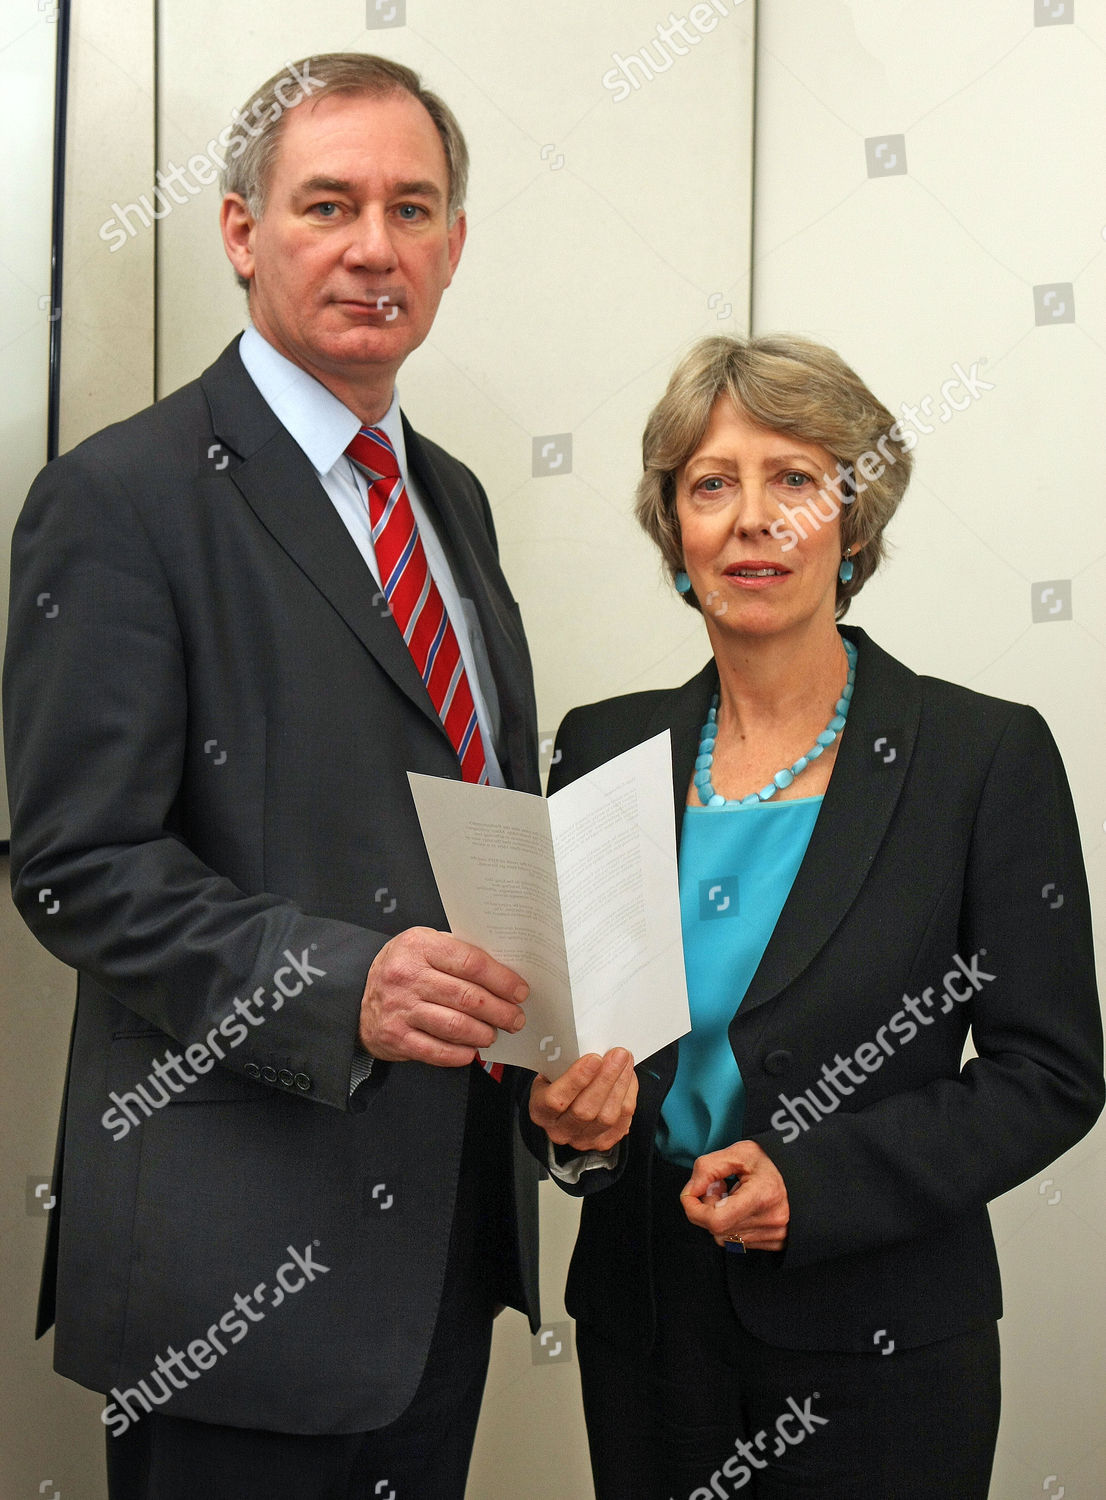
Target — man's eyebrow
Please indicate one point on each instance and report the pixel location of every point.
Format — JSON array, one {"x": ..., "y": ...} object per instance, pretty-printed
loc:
[
  {"x": 418, "y": 189},
  {"x": 414, "y": 189},
  {"x": 325, "y": 185}
]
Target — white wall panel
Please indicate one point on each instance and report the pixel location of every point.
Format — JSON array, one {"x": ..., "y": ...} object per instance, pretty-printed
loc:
[
  {"x": 1002, "y": 111},
  {"x": 52, "y": 1440},
  {"x": 27, "y": 111}
]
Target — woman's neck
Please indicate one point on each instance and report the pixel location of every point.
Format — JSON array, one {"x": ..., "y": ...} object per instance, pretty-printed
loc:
[{"x": 769, "y": 682}]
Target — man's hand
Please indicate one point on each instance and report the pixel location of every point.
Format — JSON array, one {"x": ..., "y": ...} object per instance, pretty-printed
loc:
[
  {"x": 432, "y": 998},
  {"x": 591, "y": 1105},
  {"x": 755, "y": 1209}
]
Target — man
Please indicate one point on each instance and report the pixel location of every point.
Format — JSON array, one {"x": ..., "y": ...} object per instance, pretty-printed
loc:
[{"x": 288, "y": 1205}]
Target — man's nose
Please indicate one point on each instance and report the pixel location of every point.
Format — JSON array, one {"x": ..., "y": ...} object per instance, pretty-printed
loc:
[{"x": 370, "y": 243}]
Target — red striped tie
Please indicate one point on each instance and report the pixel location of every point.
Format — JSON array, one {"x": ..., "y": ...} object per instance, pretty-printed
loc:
[
  {"x": 415, "y": 602},
  {"x": 419, "y": 611}
]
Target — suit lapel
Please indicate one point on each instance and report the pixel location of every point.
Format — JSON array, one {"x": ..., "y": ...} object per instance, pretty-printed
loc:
[
  {"x": 852, "y": 824},
  {"x": 282, "y": 489},
  {"x": 682, "y": 712}
]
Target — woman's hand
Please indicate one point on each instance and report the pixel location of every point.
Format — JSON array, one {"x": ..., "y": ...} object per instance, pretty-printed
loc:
[
  {"x": 755, "y": 1210},
  {"x": 591, "y": 1105}
]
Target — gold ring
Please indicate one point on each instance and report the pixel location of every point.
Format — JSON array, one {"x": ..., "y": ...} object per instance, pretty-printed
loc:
[{"x": 735, "y": 1239}]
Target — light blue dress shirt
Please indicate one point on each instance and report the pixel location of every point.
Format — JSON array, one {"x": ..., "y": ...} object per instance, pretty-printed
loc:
[
  {"x": 323, "y": 427},
  {"x": 737, "y": 866}
]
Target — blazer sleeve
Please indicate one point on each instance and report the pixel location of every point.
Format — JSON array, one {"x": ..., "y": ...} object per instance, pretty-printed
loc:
[
  {"x": 96, "y": 699},
  {"x": 915, "y": 1159}
]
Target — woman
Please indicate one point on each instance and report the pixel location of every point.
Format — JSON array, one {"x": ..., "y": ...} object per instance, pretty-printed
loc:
[{"x": 785, "y": 1281}]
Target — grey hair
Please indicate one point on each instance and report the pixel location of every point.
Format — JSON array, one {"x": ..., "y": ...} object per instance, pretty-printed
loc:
[{"x": 786, "y": 384}]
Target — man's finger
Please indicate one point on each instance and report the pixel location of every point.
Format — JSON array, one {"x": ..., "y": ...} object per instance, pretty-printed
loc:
[
  {"x": 465, "y": 961},
  {"x": 446, "y": 1023},
  {"x": 455, "y": 997}
]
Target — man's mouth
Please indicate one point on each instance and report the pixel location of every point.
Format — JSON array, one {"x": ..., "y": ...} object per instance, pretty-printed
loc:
[{"x": 387, "y": 305}]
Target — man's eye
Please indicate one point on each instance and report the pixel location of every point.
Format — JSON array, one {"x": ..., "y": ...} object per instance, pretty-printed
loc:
[
  {"x": 411, "y": 212},
  {"x": 325, "y": 210}
]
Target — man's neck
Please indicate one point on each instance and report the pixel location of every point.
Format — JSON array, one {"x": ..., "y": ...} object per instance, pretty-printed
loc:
[
  {"x": 369, "y": 400},
  {"x": 366, "y": 391}
]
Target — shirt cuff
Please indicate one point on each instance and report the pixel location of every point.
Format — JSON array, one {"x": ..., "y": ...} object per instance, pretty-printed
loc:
[
  {"x": 569, "y": 1172},
  {"x": 360, "y": 1069}
]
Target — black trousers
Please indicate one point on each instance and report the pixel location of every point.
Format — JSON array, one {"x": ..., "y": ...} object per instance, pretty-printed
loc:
[
  {"x": 713, "y": 1412},
  {"x": 423, "y": 1455}
]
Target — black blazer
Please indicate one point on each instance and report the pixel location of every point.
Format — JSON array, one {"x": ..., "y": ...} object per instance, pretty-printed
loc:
[
  {"x": 209, "y": 726},
  {"x": 947, "y": 829}
]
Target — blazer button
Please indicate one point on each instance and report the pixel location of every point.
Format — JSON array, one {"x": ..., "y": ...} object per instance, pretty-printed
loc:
[
  {"x": 778, "y": 1063},
  {"x": 269, "y": 1074},
  {"x": 251, "y": 1070},
  {"x": 286, "y": 1078},
  {"x": 303, "y": 1082}
]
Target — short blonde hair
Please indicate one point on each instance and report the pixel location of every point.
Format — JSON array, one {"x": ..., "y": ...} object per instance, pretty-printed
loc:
[
  {"x": 787, "y": 384},
  {"x": 248, "y": 167}
]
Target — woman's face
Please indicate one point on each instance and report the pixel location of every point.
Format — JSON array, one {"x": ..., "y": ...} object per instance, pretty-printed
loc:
[{"x": 730, "y": 499}]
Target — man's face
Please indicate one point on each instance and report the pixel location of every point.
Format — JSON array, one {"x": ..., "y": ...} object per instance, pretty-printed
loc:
[{"x": 353, "y": 251}]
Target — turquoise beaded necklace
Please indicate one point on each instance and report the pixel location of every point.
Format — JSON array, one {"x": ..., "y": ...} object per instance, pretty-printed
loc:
[{"x": 705, "y": 759}]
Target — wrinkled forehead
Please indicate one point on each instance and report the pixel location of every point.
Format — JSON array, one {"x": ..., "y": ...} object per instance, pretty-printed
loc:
[{"x": 353, "y": 137}]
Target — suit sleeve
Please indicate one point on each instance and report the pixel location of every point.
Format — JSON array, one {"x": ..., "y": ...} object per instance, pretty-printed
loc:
[
  {"x": 96, "y": 698},
  {"x": 914, "y": 1160}
]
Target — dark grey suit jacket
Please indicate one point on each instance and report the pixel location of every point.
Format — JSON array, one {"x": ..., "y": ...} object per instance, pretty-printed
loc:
[
  {"x": 947, "y": 829},
  {"x": 209, "y": 725}
]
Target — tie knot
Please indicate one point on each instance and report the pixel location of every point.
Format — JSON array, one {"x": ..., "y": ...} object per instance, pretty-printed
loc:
[{"x": 373, "y": 451}]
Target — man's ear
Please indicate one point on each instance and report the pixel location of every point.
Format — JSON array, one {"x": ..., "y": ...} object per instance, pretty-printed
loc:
[
  {"x": 458, "y": 232},
  {"x": 237, "y": 225}
]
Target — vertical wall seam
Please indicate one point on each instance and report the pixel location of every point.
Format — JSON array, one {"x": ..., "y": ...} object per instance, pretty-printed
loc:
[{"x": 754, "y": 140}]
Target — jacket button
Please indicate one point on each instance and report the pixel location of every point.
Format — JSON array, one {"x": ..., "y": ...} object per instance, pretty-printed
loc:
[
  {"x": 303, "y": 1082},
  {"x": 269, "y": 1074},
  {"x": 778, "y": 1063},
  {"x": 251, "y": 1070},
  {"x": 286, "y": 1078}
]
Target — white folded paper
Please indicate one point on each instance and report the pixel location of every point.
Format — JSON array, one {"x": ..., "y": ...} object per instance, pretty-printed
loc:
[{"x": 579, "y": 894}]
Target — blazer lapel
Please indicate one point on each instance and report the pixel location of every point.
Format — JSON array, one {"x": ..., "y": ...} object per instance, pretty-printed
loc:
[
  {"x": 683, "y": 712},
  {"x": 853, "y": 821},
  {"x": 280, "y": 486}
]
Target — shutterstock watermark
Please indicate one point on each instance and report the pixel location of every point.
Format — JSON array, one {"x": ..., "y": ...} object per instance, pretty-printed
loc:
[
  {"x": 791, "y": 1428},
  {"x": 960, "y": 984},
  {"x": 298, "y": 1271},
  {"x": 170, "y": 1073},
  {"x": 202, "y": 169},
  {"x": 842, "y": 489},
  {"x": 661, "y": 51}
]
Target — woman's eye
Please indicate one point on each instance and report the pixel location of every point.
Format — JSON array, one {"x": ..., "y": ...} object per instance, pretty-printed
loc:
[
  {"x": 711, "y": 485},
  {"x": 794, "y": 479}
]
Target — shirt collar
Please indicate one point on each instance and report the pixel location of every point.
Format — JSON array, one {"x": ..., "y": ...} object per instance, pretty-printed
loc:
[{"x": 320, "y": 423}]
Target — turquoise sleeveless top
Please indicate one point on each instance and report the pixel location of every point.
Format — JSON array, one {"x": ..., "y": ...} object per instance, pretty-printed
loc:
[{"x": 737, "y": 866}]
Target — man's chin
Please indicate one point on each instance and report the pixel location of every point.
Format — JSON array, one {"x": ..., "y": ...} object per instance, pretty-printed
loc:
[{"x": 365, "y": 346}]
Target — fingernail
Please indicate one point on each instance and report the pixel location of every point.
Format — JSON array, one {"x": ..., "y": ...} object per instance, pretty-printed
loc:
[
  {"x": 522, "y": 993},
  {"x": 518, "y": 1022}
]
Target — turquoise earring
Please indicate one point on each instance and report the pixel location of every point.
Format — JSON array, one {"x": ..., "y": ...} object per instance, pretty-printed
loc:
[
  {"x": 845, "y": 571},
  {"x": 682, "y": 582}
]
